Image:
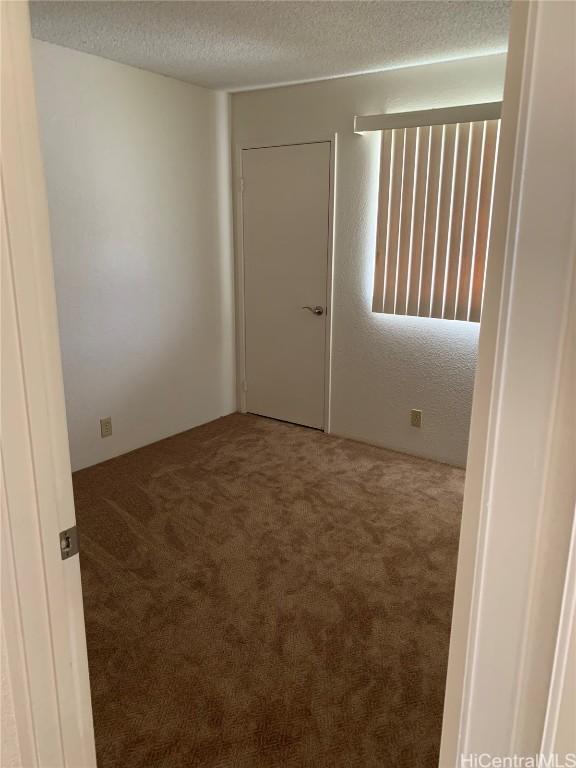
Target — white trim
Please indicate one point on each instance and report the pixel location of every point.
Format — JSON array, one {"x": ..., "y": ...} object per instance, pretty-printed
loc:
[
  {"x": 509, "y": 188},
  {"x": 559, "y": 358},
  {"x": 330, "y": 285},
  {"x": 238, "y": 182},
  {"x": 240, "y": 269},
  {"x": 467, "y": 113},
  {"x": 567, "y": 628}
]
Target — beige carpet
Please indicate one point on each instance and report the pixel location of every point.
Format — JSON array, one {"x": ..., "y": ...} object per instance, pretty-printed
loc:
[{"x": 261, "y": 594}]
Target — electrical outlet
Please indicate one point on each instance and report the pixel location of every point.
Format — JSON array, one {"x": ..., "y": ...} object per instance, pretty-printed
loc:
[
  {"x": 106, "y": 426},
  {"x": 416, "y": 418}
]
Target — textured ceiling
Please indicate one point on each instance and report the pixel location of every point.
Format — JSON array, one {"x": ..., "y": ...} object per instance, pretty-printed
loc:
[{"x": 240, "y": 45}]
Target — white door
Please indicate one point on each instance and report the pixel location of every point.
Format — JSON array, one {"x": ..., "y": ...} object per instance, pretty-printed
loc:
[
  {"x": 286, "y": 204},
  {"x": 43, "y": 640}
]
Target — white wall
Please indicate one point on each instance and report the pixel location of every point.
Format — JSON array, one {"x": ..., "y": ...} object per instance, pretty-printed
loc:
[
  {"x": 382, "y": 366},
  {"x": 137, "y": 168}
]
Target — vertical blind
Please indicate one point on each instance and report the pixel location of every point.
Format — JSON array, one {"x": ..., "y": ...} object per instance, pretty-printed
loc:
[{"x": 434, "y": 211}]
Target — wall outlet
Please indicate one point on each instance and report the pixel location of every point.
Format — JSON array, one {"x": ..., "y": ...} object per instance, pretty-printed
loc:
[
  {"x": 416, "y": 418},
  {"x": 106, "y": 426}
]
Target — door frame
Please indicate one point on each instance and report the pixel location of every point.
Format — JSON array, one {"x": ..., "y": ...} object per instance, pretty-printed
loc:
[
  {"x": 57, "y": 588},
  {"x": 519, "y": 493},
  {"x": 560, "y": 707},
  {"x": 240, "y": 268}
]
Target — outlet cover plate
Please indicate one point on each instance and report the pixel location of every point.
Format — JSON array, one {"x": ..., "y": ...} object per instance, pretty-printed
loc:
[
  {"x": 106, "y": 426},
  {"x": 416, "y": 418}
]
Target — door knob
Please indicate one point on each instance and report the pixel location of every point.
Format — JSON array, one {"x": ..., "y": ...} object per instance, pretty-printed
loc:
[{"x": 317, "y": 310}]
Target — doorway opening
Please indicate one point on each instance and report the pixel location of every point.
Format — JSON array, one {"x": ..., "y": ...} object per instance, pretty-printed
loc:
[{"x": 270, "y": 583}]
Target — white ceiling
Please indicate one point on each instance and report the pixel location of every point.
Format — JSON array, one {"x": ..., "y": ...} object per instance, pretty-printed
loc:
[{"x": 241, "y": 45}]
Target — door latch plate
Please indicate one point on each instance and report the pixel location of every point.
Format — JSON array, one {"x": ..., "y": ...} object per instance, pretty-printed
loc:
[{"x": 68, "y": 543}]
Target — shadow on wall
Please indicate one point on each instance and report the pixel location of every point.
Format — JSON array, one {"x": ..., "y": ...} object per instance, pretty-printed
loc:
[{"x": 138, "y": 178}]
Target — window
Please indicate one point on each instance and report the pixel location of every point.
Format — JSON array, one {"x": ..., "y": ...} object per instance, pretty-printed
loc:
[{"x": 435, "y": 204}]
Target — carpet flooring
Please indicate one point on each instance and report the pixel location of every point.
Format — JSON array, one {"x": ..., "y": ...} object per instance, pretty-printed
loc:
[{"x": 262, "y": 594}]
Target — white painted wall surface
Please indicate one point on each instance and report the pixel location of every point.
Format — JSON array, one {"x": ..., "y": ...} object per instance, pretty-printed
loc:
[
  {"x": 382, "y": 365},
  {"x": 137, "y": 168}
]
